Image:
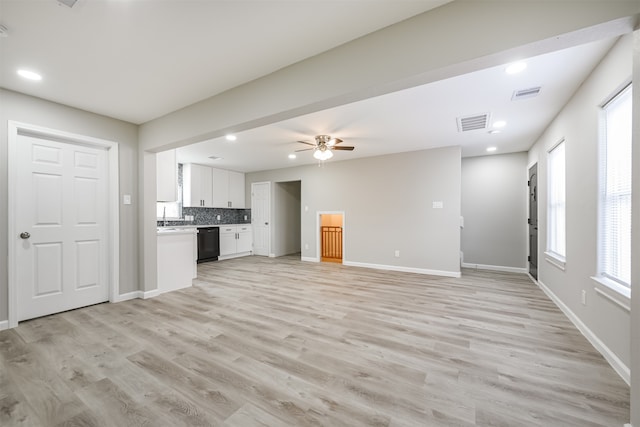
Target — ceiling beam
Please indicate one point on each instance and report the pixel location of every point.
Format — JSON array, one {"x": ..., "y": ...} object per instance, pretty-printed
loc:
[{"x": 457, "y": 38}]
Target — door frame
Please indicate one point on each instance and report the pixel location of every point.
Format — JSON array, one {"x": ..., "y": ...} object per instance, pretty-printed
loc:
[
  {"x": 318, "y": 257},
  {"x": 113, "y": 223},
  {"x": 270, "y": 254},
  {"x": 529, "y": 166}
]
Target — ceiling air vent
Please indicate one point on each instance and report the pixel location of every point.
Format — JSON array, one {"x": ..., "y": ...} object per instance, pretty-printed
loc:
[
  {"x": 475, "y": 122},
  {"x": 68, "y": 3},
  {"x": 526, "y": 93},
  {"x": 215, "y": 158}
]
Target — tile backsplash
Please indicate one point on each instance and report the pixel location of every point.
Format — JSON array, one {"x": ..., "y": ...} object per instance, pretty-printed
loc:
[{"x": 209, "y": 216}]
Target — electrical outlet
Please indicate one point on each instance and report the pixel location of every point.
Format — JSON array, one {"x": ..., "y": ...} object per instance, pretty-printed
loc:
[
  {"x": 584, "y": 297},
  {"x": 218, "y": 217},
  {"x": 397, "y": 253},
  {"x": 306, "y": 246}
]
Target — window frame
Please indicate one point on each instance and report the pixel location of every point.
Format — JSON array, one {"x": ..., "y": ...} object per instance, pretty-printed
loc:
[
  {"x": 603, "y": 277},
  {"x": 552, "y": 254}
]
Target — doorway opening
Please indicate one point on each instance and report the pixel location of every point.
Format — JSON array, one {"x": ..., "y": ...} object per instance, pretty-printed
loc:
[
  {"x": 287, "y": 202},
  {"x": 331, "y": 237}
]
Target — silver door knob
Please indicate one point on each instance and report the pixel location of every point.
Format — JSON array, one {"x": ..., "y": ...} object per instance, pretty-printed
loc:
[
  {"x": 266, "y": 223},
  {"x": 24, "y": 235}
]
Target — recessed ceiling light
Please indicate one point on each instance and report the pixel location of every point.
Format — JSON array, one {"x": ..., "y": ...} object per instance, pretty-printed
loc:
[
  {"x": 491, "y": 149},
  {"x": 31, "y": 75},
  {"x": 494, "y": 131},
  {"x": 231, "y": 137},
  {"x": 515, "y": 68},
  {"x": 292, "y": 156},
  {"x": 499, "y": 124}
]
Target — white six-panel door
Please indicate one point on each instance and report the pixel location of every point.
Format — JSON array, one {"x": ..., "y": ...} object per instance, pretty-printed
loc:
[{"x": 61, "y": 220}]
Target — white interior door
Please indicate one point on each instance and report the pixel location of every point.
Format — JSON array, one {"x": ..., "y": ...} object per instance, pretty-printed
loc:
[
  {"x": 261, "y": 217},
  {"x": 61, "y": 219}
]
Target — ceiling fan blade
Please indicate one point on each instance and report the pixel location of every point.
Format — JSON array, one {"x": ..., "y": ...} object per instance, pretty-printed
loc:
[
  {"x": 345, "y": 148},
  {"x": 305, "y": 149},
  {"x": 308, "y": 143},
  {"x": 336, "y": 141}
]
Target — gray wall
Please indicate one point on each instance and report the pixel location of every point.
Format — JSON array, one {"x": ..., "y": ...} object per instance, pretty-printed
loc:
[
  {"x": 387, "y": 204},
  {"x": 35, "y": 111},
  {"x": 578, "y": 124},
  {"x": 286, "y": 218},
  {"x": 494, "y": 207}
]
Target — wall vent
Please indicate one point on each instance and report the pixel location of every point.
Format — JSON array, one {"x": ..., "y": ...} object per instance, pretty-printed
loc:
[
  {"x": 475, "y": 122},
  {"x": 526, "y": 93}
]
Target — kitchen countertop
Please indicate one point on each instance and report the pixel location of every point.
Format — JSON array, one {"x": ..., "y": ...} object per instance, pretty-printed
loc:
[
  {"x": 192, "y": 227},
  {"x": 169, "y": 230}
]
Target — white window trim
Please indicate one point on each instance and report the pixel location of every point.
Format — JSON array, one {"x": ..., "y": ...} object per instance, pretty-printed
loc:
[
  {"x": 556, "y": 260},
  {"x": 552, "y": 257},
  {"x": 611, "y": 289}
]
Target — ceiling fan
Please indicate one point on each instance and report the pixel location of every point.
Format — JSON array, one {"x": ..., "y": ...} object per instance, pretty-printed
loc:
[{"x": 324, "y": 147}]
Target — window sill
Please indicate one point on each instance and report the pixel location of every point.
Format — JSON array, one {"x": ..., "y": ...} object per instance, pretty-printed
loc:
[
  {"x": 556, "y": 260},
  {"x": 613, "y": 291}
]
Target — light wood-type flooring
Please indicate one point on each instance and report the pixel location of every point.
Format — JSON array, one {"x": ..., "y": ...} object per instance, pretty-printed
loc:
[{"x": 280, "y": 342}]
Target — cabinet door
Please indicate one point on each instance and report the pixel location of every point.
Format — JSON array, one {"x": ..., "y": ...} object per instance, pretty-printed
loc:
[
  {"x": 196, "y": 185},
  {"x": 206, "y": 186},
  {"x": 245, "y": 239},
  {"x": 166, "y": 176},
  {"x": 227, "y": 240},
  {"x": 220, "y": 188},
  {"x": 236, "y": 189}
]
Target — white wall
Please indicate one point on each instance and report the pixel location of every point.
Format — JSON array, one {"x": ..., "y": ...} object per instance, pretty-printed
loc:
[
  {"x": 387, "y": 202},
  {"x": 494, "y": 207},
  {"x": 577, "y": 123},
  {"x": 35, "y": 111},
  {"x": 286, "y": 218}
]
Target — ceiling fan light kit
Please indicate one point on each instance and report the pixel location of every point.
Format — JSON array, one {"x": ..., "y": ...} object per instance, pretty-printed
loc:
[{"x": 324, "y": 146}]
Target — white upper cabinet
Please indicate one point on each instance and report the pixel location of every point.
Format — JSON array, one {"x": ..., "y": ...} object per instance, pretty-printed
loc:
[
  {"x": 166, "y": 176},
  {"x": 197, "y": 186},
  {"x": 236, "y": 190},
  {"x": 220, "y": 188},
  {"x": 228, "y": 189}
]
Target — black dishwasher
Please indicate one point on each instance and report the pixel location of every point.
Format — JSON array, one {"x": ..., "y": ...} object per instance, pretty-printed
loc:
[{"x": 208, "y": 244}]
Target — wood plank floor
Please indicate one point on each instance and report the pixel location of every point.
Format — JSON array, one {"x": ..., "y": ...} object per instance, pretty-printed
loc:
[{"x": 278, "y": 342}]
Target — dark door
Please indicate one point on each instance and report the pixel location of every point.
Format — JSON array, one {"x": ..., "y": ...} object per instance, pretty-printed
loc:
[{"x": 533, "y": 221}]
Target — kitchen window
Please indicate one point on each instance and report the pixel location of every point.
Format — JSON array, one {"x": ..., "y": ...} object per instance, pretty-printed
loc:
[
  {"x": 614, "y": 203},
  {"x": 556, "y": 205}
]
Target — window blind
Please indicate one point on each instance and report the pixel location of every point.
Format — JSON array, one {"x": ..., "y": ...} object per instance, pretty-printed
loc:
[
  {"x": 556, "y": 230},
  {"x": 615, "y": 190}
]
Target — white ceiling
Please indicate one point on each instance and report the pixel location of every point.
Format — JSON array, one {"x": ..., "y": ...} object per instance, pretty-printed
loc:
[{"x": 138, "y": 60}]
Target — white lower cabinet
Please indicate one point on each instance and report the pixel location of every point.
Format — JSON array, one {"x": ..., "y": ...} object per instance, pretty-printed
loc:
[{"x": 235, "y": 241}]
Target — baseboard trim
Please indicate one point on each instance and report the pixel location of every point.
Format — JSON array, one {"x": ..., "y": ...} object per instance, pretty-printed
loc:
[
  {"x": 232, "y": 256},
  {"x": 618, "y": 365},
  {"x": 403, "y": 269},
  {"x": 4, "y": 324},
  {"x": 150, "y": 294},
  {"x": 309, "y": 259},
  {"x": 128, "y": 296},
  {"x": 495, "y": 268}
]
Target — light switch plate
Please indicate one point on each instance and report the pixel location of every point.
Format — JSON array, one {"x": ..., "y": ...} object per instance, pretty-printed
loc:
[
  {"x": 126, "y": 199},
  {"x": 438, "y": 205}
]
